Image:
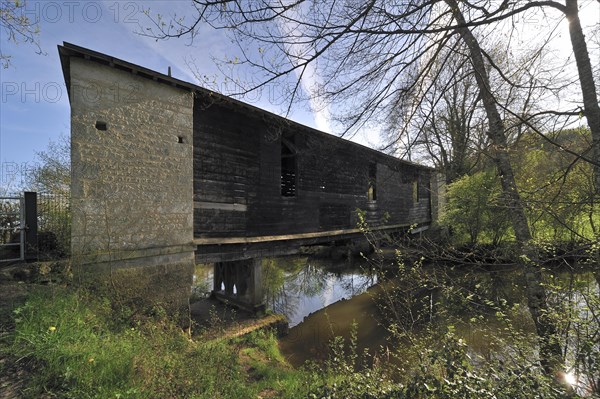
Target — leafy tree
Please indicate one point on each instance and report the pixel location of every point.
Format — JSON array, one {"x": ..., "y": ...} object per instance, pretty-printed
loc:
[
  {"x": 52, "y": 173},
  {"x": 557, "y": 186},
  {"x": 475, "y": 208}
]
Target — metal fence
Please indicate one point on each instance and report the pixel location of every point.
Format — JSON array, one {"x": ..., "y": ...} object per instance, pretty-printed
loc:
[
  {"x": 12, "y": 229},
  {"x": 35, "y": 226},
  {"x": 54, "y": 225}
]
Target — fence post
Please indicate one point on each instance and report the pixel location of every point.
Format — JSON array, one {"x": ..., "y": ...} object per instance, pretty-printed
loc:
[{"x": 31, "y": 224}]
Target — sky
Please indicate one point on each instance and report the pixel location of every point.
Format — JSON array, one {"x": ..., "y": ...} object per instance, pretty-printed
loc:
[{"x": 34, "y": 106}]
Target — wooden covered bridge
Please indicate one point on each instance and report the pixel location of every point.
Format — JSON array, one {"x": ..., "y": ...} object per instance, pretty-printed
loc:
[{"x": 167, "y": 174}]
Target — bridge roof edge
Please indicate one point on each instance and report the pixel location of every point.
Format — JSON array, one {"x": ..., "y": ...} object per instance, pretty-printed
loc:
[{"x": 67, "y": 50}]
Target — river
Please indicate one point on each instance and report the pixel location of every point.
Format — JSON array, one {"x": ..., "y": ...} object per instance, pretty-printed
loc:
[{"x": 323, "y": 298}]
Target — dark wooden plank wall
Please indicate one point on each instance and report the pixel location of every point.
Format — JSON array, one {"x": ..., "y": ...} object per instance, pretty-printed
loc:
[{"x": 237, "y": 176}]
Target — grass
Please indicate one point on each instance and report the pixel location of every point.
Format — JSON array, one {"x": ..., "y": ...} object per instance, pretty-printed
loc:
[
  {"x": 75, "y": 345},
  {"x": 266, "y": 368}
]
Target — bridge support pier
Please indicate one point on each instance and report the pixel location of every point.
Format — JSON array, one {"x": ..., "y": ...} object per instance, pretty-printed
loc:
[{"x": 240, "y": 283}]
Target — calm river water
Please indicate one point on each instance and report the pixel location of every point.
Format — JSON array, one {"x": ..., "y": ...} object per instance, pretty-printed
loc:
[{"x": 322, "y": 298}]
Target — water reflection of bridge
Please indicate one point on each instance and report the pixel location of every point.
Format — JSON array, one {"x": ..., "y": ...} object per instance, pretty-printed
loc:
[
  {"x": 299, "y": 286},
  {"x": 238, "y": 261}
]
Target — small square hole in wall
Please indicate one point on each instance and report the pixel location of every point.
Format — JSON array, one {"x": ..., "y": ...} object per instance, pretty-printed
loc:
[
  {"x": 180, "y": 139},
  {"x": 100, "y": 125}
]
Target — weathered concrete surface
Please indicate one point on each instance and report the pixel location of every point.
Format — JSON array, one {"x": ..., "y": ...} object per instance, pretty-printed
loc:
[
  {"x": 132, "y": 192},
  {"x": 225, "y": 322}
]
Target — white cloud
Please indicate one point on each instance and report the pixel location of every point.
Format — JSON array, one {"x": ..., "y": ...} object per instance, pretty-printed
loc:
[{"x": 310, "y": 79}]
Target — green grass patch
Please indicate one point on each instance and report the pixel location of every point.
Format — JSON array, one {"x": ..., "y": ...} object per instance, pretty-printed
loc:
[
  {"x": 75, "y": 345},
  {"x": 266, "y": 369}
]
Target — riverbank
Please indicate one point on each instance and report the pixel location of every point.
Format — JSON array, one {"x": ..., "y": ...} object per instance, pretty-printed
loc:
[
  {"x": 56, "y": 341},
  {"x": 67, "y": 343}
]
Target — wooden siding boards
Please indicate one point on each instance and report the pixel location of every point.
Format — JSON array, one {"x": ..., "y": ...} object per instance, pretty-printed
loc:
[
  {"x": 237, "y": 161},
  {"x": 226, "y": 169}
]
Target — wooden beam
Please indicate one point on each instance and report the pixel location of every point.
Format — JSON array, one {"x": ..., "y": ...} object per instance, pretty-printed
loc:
[
  {"x": 222, "y": 206},
  {"x": 301, "y": 236}
]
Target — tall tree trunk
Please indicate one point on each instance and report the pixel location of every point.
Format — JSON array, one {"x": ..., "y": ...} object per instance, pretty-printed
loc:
[
  {"x": 588, "y": 86},
  {"x": 550, "y": 351}
]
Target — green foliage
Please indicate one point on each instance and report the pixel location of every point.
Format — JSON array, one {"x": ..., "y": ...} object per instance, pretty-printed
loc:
[
  {"x": 576, "y": 311},
  {"x": 475, "y": 209},
  {"x": 343, "y": 377},
  {"x": 442, "y": 368},
  {"x": 419, "y": 303},
  {"x": 9, "y": 219},
  {"x": 557, "y": 187},
  {"x": 51, "y": 178},
  {"x": 72, "y": 347},
  {"x": 202, "y": 286},
  {"x": 266, "y": 367},
  {"x": 448, "y": 370},
  {"x": 54, "y": 225},
  {"x": 437, "y": 362},
  {"x": 53, "y": 171},
  {"x": 80, "y": 346}
]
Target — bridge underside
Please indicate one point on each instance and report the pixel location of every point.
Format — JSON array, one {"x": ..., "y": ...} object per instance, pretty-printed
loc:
[
  {"x": 229, "y": 249},
  {"x": 237, "y": 260}
]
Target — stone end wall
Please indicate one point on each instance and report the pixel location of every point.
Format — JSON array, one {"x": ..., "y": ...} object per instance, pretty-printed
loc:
[{"x": 132, "y": 183}]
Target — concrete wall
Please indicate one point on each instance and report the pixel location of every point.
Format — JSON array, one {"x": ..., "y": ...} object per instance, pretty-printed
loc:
[{"x": 132, "y": 184}]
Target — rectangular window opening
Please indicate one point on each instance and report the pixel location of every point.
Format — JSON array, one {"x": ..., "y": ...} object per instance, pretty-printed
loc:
[
  {"x": 415, "y": 190},
  {"x": 372, "y": 190},
  {"x": 101, "y": 125},
  {"x": 288, "y": 170}
]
